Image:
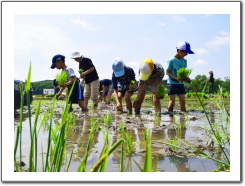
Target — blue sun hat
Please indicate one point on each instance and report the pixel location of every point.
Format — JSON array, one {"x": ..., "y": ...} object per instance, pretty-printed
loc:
[
  {"x": 56, "y": 58},
  {"x": 118, "y": 67},
  {"x": 185, "y": 46}
]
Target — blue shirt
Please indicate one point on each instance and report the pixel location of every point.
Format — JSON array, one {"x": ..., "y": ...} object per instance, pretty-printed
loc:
[
  {"x": 106, "y": 82},
  {"x": 174, "y": 65},
  {"x": 123, "y": 80}
]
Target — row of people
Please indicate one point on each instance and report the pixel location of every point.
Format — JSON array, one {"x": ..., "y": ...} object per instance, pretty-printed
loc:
[{"x": 123, "y": 80}]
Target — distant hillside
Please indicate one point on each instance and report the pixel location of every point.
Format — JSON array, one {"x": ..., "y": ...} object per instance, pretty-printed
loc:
[{"x": 37, "y": 86}]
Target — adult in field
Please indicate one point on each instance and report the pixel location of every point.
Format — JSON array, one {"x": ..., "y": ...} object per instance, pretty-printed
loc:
[{"x": 90, "y": 76}]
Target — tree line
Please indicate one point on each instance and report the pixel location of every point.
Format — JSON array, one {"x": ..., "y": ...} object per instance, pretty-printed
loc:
[{"x": 199, "y": 82}]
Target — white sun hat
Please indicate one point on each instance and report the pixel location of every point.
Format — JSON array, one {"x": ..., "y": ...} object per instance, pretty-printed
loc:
[{"x": 75, "y": 55}]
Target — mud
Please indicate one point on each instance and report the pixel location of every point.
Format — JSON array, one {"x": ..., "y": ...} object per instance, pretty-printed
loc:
[{"x": 189, "y": 127}]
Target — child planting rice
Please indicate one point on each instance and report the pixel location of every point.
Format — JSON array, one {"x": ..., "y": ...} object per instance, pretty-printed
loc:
[
  {"x": 66, "y": 79},
  {"x": 183, "y": 74},
  {"x": 150, "y": 74},
  {"x": 90, "y": 77},
  {"x": 122, "y": 79},
  {"x": 178, "y": 72}
]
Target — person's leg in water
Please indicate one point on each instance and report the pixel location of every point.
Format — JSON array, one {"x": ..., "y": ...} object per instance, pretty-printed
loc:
[
  {"x": 120, "y": 96},
  {"x": 87, "y": 93},
  {"x": 95, "y": 91},
  {"x": 171, "y": 103},
  {"x": 138, "y": 103},
  {"x": 157, "y": 104},
  {"x": 81, "y": 103},
  {"x": 128, "y": 102},
  {"x": 182, "y": 102}
]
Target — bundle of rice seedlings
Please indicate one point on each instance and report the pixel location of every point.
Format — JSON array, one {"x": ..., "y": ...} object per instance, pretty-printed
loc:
[
  {"x": 131, "y": 83},
  {"x": 61, "y": 78},
  {"x": 80, "y": 71},
  {"x": 183, "y": 73},
  {"x": 161, "y": 92}
]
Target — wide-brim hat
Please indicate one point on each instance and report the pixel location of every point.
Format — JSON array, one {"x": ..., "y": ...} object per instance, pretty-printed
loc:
[
  {"x": 75, "y": 55},
  {"x": 146, "y": 68}
]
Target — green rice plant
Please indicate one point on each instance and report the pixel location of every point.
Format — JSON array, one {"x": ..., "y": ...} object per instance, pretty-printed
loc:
[
  {"x": 174, "y": 142},
  {"x": 161, "y": 92},
  {"x": 80, "y": 71},
  {"x": 83, "y": 163},
  {"x": 148, "y": 160},
  {"x": 129, "y": 143},
  {"x": 107, "y": 119},
  {"x": 121, "y": 167},
  {"x": 102, "y": 158},
  {"x": 49, "y": 95},
  {"x": 145, "y": 133},
  {"x": 183, "y": 73},
  {"x": 61, "y": 78},
  {"x": 131, "y": 83},
  {"x": 178, "y": 127},
  {"x": 57, "y": 139},
  {"x": 214, "y": 132}
]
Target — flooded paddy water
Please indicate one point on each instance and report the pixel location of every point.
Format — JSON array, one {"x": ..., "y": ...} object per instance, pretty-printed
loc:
[{"x": 185, "y": 128}]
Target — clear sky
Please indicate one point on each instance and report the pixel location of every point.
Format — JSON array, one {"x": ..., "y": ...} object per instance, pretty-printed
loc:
[{"x": 132, "y": 37}]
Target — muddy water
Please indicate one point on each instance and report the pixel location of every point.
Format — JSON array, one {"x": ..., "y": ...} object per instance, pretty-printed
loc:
[{"x": 163, "y": 128}]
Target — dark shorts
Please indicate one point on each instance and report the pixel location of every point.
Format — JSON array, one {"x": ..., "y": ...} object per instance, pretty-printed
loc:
[
  {"x": 176, "y": 89},
  {"x": 123, "y": 89},
  {"x": 77, "y": 92}
]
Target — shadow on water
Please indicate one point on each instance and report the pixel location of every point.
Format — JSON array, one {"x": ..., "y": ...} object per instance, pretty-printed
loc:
[{"x": 188, "y": 127}]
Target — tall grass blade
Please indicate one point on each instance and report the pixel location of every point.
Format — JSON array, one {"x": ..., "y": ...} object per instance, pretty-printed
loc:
[{"x": 148, "y": 160}]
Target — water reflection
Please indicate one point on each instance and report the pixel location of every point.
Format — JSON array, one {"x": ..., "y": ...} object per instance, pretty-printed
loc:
[
  {"x": 78, "y": 135},
  {"x": 179, "y": 127}
]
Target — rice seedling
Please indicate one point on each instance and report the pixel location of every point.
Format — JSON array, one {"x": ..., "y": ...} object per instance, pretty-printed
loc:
[
  {"x": 82, "y": 166},
  {"x": 148, "y": 160},
  {"x": 80, "y": 71},
  {"x": 61, "y": 78},
  {"x": 161, "y": 92},
  {"x": 183, "y": 74},
  {"x": 214, "y": 132},
  {"x": 107, "y": 119},
  {"x": 145, "y": 133},
  {"x": 131, "y": 89},
  {"x": 174, "y": 142},
  {"x": 129, "y": 143},
  {"x": 102, "y": 159}
]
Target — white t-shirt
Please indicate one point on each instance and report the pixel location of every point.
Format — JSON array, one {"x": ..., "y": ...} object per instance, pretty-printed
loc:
[{"x": 70, "y": 73}]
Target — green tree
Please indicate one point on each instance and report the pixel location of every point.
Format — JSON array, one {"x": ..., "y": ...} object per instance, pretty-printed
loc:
[{"x": 198, "y": 82}]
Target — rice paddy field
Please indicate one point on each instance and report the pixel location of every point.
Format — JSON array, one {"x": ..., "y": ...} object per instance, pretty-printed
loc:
[{"x": 48, "y": 138}]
